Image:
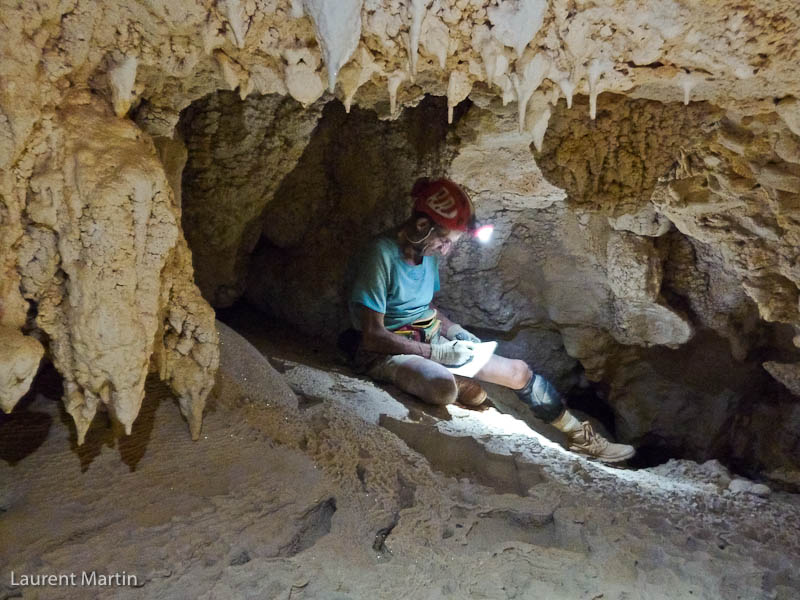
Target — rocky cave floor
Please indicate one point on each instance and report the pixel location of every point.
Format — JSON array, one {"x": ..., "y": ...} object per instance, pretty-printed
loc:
[{"x": 308, "y": 482}]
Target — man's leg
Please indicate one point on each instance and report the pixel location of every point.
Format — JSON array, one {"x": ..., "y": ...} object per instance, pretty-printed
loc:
[
  {"x": 539, "y": 394},
  {"x": 423, "y": 378},
  {"x": 546, "y": 404},
  {"x": 507, "y": 372}
]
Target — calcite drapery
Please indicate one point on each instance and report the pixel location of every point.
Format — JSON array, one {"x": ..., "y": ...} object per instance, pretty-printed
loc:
[{"x": 105, "y": 263}]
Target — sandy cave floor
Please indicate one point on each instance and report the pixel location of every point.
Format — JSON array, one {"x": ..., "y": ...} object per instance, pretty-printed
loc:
[{"x": 343, "y": 491}]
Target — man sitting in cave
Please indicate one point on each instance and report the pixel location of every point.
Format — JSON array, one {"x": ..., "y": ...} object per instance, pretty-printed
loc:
[{"x": 401, "y": 338}]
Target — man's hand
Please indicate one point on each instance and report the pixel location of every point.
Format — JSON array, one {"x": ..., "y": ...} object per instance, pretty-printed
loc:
[
  {"x": 457, "y": 332},
  {"x": 453, "y": 354}
]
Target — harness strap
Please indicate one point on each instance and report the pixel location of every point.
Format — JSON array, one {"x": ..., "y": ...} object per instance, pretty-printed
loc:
[{"x": 423, "y": 330}]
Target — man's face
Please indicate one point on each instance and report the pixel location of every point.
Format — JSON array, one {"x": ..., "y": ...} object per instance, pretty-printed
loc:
[{"x": 440, "y": 242}]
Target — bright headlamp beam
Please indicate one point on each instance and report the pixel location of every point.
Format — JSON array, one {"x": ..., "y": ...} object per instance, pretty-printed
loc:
[{"x": 484, "y": 233}]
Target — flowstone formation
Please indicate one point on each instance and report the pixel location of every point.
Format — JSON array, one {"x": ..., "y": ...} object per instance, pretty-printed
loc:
[
  {"x": 688, "y": 187},
  {"x": 103, "y": 261}
]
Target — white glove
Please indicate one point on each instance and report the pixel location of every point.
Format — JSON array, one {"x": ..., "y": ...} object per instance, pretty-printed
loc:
[
  {"x": 453, "y": 354},
  {"x": 457, "y": 332}
]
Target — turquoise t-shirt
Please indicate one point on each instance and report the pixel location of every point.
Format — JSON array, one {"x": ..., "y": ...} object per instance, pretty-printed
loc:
[{"x": 389, "y": 285}]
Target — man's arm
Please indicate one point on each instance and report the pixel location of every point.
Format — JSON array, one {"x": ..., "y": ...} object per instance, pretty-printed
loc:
[{"x": 376, "y": 338}]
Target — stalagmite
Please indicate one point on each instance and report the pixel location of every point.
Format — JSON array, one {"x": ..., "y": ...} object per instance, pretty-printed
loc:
[
  {"x": 337, "y": 24},
  {"x": 417, "y": 9},
  {"x": 234, "y": 13},
  {"x": 458, "y": 88},
  {"x": 122, "y": 78},
  {"x": 595, "y": 70},
  {"x": 393, "y": 83},
  {"x": 529, "y": 76},
  {"x": 516, "y": 22}
]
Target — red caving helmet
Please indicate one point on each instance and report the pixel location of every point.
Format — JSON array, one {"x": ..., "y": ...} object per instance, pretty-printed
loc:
[{"x": 445, "y": 203}]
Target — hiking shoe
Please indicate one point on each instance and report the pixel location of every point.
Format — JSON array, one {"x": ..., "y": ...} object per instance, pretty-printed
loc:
[
  {"x": 586, "y": 442},
  {"x": 470, "y": 392}
]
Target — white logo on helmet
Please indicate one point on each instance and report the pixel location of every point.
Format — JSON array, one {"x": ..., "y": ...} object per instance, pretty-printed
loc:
[{"x": 442, "y": 203}]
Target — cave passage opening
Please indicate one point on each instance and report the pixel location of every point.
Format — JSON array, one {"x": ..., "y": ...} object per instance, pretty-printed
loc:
[
  {"x": 276, "y": 198},
  {"x": 303, "y": 204}
]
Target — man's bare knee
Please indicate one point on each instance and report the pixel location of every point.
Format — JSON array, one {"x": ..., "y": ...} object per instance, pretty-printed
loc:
[
  {"x": 427, "y": 380},
  {"x": 520, "y": 373},
  {"x": 442, "y": 390}
]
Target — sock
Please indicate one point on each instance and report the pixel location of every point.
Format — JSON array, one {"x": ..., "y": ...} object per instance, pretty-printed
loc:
[{"x": 566, "y": 423}]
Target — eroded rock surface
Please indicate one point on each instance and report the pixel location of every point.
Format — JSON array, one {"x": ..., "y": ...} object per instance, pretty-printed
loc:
[
  {"x": 350, "y": 184},
  {"x": 306, "y": 494},
  {"x": 240, "y": 151},
  {"x": 19, "y": 360},
  {"x": 597, "y": 273}
]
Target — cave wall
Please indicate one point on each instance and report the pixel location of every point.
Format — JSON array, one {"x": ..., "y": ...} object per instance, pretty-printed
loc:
[
  {"x": 653, "y": 313},
  {"x": 240, "y": 151}
]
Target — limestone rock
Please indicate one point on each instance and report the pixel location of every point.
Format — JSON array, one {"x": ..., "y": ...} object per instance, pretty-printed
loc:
[
  {"x": 19, "y": 361},
  {"x": 789, "y": 110},
  {"x": 239, "y": 153},
  {"x": 660, "y": 396},
  {"x": 634, "y": 267},
  {"x": 612, "y": 164},
  {"x": 699, "y": 156},
  {"x": 350, "y": 184},
  {"x": 646, "y": 221},
  {"x": 711, "y": 473},
  {"x": 106, "y": 226},
  {"x": 743, "y": 486},
  {"x": 650, "y": 323},
  {"x": 485, "y": 133},
  {"x": 787, "y": 373},
  {"x": 186, "y": 354}
]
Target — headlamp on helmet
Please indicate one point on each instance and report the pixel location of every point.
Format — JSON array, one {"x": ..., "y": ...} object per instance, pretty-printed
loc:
[{"x": 449, "y": 206}]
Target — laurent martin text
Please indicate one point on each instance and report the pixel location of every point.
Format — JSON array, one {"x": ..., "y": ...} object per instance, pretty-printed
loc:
[{"x": 82, "y": 579}]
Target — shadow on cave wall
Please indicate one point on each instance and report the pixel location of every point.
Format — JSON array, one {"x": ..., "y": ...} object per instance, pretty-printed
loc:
[{"x": 352, "y": 182}]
